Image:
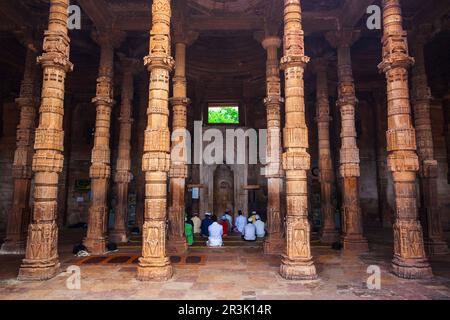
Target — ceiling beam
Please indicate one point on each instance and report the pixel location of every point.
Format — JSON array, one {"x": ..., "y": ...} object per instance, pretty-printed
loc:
[
  {"x": 353, "y": 11},
  {"x": 9, "y": 10},
  {"x": 98, "y": 12}
]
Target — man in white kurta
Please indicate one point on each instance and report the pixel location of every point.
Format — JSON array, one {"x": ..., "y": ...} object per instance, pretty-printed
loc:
[
  {"x": 250, "y": 231},
  {"x": 260, "y": 228},
  {"x": 215, "y": 234},
  {"x": 241, "y": 221}
]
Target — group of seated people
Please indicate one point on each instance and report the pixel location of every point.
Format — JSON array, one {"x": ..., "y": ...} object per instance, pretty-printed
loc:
[{"x": 215, "y": 229}]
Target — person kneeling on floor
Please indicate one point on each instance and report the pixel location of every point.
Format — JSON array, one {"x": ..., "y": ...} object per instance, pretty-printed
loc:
[{"x": 215, "y": 234}]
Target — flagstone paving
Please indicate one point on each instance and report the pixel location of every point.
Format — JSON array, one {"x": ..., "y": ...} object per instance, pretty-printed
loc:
[{"x": 236, "y": 273}]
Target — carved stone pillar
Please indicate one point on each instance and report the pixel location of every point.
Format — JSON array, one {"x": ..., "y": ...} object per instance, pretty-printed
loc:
[
  {"x": 328, "y": 234},
  {"x": 297, "y": 262},
  {"x": 353, "y": 238},
  {"x": 383, "y": 179},
  {"x": 409, "y": 254},
  {"x": 41, "y": 259},
  {"x": 421, "y": 97},
  {"x": 100, "y": 170},
  {"x": 446, "y": 106},
  {"x": 154, "y": 263},
  {"x": 19, "y": 216},
  {"x": 274, "y": 242},
  {"x": 122, "y": 176},
  {"x": 178, "y": 167}
]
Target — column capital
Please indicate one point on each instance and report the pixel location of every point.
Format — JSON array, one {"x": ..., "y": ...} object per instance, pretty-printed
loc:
[
  {"x": 130, "y": 65},
  {"x": 343, "y": 37},
  {"x": 319, "y": 65},
  {"x": 187, "y": 37},
  {"x": 271, "y": 41},
  {"x": 108, "y": 37}
]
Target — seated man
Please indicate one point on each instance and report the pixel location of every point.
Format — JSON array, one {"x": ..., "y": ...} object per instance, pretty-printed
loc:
[
  {"x": 260, "y": 227},
  {"x": 241, "y": 221},
  {"x": 229, "y": 219},
  {"x": 249, "y": 231},
  {"x": 224, "y": 223},
  {"x": 215, "y": 234},
  {"x": 205, "y": 224},
  {"x": 197, "y": 224}
]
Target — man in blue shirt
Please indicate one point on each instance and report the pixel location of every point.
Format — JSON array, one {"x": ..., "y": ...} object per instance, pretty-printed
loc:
[{"x": 205, "y": 224}]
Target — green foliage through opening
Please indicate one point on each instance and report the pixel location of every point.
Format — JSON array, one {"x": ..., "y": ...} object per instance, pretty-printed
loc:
[{"x": 223, "y": 115}]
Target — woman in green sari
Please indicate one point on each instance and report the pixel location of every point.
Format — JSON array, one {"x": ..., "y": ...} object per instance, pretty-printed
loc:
[{"x": 189, "y": 231}]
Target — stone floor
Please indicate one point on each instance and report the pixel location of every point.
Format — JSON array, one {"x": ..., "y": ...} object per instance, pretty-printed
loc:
[{"x": 236, "y": 273}]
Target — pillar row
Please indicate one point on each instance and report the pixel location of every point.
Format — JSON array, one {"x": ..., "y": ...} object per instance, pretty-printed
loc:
[
  {"x": 297, "y": 262},
  {"x": 122, "y": 176},
  {"x": 328, "y": 233},
  {"x": 274, "y": 242},
  {"x": 353, "y": 238},
  {"x": 20, "y": 212},
  {"x": 100, "y": 171},
  {"x": 421, "y": 98},
  {"x": 41, "y": 260},
  {"x": 178, "y": 168},
  {"x": 409, "y": 254}
]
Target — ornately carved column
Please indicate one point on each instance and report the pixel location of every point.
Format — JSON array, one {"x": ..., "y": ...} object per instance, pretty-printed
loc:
[
  {"x": 178, "y": 168},
  {"x": 274, "y": 173},
  {"x": 100, "y": 170},
  {"x": 154, "y": 264},
  {"x": 122, "y": 176},
  {"x": 429, "y": 211},
  {"x": 353, "y": 238},
  {"x": 328, "y": 234},
  {"x": 19, "y": 215},
  {"x": 297, "y": 262},
  {"x": 41, "y": 259},
  {"x": 409, "y": 254}
]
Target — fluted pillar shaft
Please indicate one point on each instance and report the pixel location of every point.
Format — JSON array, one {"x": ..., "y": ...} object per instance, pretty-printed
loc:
[
  {"x": 274, "y": 241},
  {"x": 297, "y": 262},
  {"x": 154, "y": 263},
  {"x": 122, "y": 176},
  {"x": 41, "y": 259},
  {"x": 328, "y": 233},
  {"x": 178, "y": 167},
  {"x": 421, "y": 96},
  {"x": 19, "y": 214},
  {"x": 409, "y": 254},
  {"x": 100, "y": 171}
]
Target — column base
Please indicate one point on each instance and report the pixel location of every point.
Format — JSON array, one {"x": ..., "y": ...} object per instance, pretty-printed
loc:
[
  {"x": 411, "y": 268},
  {"x": 177, "y": 246},
  {"x": 154, "y": 270},
  {"x": 436, "y": 247},
  {"x": 37, "y": 270},
  {"x": 274, "y": 245},
  {"x": 13, "y": 248},
  {"x": 297, "y": 269},
  {"x": 329, "y": 236},
  {"x": 118, "y": 236},
  {"x": 95, "y": 246},
  {"x": 355, "y": 244}
]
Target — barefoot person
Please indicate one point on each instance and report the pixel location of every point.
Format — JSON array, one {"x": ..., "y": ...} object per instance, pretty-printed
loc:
[{"x": 215, "y": 233}]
